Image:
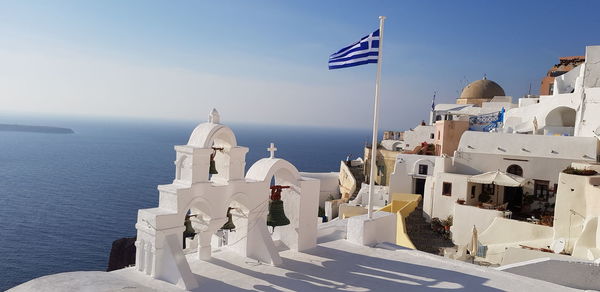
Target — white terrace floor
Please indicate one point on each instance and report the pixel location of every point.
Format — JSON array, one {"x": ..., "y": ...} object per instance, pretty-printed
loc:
[{"x": 333, "y": 265}]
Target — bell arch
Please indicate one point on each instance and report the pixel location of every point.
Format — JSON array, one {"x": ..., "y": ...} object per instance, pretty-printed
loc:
[
  {"x": 242, "y": 210},
  {"x": 226, "y": 157},
  {"x": 266, "y": 169},
  {"x": 198, "y": 203},
  {"x": 300, "y": 201},
  {"x": 208, "y": 135}
]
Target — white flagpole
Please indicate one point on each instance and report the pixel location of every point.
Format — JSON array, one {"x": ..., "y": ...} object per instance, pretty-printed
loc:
[{"x": 375, "y": 121}]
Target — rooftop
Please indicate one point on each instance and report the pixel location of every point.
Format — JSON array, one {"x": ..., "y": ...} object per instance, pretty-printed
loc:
[
  {"x": 483, "y": 88},
  {"x": 563, "y": 147},
  {"x": 334, "y": 264}
]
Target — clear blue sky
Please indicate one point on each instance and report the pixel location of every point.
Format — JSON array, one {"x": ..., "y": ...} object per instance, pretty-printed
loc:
[{"x": 266, "y": 61}]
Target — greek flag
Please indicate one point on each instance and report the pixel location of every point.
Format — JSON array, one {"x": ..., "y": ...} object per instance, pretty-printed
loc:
[{"x": 362, "y": 52}]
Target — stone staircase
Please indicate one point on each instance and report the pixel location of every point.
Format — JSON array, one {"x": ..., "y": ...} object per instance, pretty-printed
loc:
[{"x": 420, "y": 233}]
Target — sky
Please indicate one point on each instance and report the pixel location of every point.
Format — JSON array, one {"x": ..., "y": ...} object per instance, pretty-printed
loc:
[{"x": 266, "y": 61}]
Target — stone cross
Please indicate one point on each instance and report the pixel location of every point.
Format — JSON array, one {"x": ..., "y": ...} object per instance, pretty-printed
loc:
[
  {"x": 214, "y": 117},
  {"x": 272, "y": 149}
]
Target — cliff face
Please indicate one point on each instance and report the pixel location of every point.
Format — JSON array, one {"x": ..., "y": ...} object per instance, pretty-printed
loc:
[
  {"x": 35, "y": 129},
  {"x": 122, "y": 254}
]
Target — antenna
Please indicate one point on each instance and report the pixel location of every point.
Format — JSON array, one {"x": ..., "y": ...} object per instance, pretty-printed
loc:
[
  {"x": 529, "y": 88},
  {"x": 462, "y": 83}
]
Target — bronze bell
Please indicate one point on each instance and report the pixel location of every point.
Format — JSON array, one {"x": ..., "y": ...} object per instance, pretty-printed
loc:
[
  {"x": 213, "y": 168},
  {"x": 276, "y": 216},
  {"x": 229, "y": 224}
]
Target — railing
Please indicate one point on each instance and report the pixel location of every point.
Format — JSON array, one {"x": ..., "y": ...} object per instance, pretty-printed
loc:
[{"x": 485, "y": 122}]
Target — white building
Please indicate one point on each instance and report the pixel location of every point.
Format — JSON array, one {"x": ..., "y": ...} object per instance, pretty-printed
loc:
[
  {"x": 571, "y": 110},
  {"x": 574, "y": 229},
  {"x": 539, "y": 139},
  {"x": 410, "y": 173}
]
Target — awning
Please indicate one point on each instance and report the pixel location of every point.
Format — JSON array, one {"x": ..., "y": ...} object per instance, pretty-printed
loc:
[{"x": 499, "y": 178}]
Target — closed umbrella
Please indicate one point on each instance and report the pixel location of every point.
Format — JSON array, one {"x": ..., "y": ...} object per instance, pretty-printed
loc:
[{"x": 473, "y": 244}]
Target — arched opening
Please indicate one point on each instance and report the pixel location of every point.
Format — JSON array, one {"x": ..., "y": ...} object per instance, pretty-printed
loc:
[
  {"x": 291, "y": 201},
  {"x": 515, "y": 169},
  {"x": 285, "y": 174},
  {"x": 222, "y": 142},
  {"x": 234, "y": 232},
  {"x": 513, "y": 196},
  {"x": 561, "y": 117},
  {"x": 195, "y": 220},
  {"x": 421, "y": 169}
]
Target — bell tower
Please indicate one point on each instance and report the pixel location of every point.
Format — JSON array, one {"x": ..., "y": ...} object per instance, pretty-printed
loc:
[{"x": 212, "y": 195}]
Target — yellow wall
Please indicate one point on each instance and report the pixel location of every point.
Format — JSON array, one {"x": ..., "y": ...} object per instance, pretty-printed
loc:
[
  {"x": 402, "y": 205},
  {"x": 387, "y": 159}
]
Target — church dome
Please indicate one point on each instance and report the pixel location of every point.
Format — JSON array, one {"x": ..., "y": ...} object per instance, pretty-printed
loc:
[{"x": 482, "y": 89}]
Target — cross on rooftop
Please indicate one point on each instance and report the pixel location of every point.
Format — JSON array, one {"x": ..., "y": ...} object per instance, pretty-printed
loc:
[{"x": 272, "y": 149}]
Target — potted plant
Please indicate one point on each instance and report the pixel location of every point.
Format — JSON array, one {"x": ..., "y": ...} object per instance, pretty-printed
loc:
[
  {"x": 460, "y": 201},
  {"x": 447, "y": 222},
  {"x": 436, "y": 225},
  {"x": 484, "y": 197},
  {"x": 576, "y": 171},
  {"x": 527, "y": 201}
]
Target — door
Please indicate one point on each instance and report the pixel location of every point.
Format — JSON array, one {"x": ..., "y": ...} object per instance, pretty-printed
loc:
[
  {"x": 420, "y": 186},
  {"x": 514, "y": 197}
]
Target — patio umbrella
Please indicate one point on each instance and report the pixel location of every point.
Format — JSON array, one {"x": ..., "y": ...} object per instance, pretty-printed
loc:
[{"x": 498, "y": 178}]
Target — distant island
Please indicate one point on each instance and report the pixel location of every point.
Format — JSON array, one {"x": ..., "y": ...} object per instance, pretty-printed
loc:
[{"x": 35, "y": 129}]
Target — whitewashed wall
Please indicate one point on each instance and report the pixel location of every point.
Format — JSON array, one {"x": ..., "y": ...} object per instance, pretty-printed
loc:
[{"x": 406, "y": 169}]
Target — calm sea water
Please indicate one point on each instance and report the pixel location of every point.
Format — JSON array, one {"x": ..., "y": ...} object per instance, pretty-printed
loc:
[{"x": 65, "y": 198}]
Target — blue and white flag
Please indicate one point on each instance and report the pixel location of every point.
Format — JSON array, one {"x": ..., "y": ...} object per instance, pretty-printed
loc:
[{"x": 362, "y": 52}]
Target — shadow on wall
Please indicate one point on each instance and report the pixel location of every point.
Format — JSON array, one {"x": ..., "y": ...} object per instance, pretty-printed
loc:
[{"x": 366, "y": 274}]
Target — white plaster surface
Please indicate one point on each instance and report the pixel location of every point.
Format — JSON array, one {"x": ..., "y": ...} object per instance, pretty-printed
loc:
[
  {"x": 330, "y": 184},
  {"x": 465, "y": 217},
  {"x": 333, "y": 265},
  {"x": 364, "y": 231},
  {"x": 514, "y": 255},
  {"x": 380, "y": 196},
  {"x": 417, "y": 136},
  {"x": 581, "y": 275},
  {"x": 406, "y": 171},
  {"x": 575, "y": 148}
]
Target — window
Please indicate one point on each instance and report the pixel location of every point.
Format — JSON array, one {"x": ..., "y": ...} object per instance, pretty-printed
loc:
[
  {"x": 489, "y": 189},
  {"x": 447, "y": 189},
  {"x": 540, "y": 189},
  {"x": 515, "y": 169},
  {"x": 423, "y": 169},
  {"x": 472, "y": 192},
  {"x": 431, "y": 136}
]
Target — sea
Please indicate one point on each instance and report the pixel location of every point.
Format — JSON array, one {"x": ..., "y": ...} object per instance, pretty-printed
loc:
[{"x": 64, "y": 198}]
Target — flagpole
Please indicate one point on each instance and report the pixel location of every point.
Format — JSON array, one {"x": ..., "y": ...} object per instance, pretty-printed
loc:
[{"x": 375, "y": 120}]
